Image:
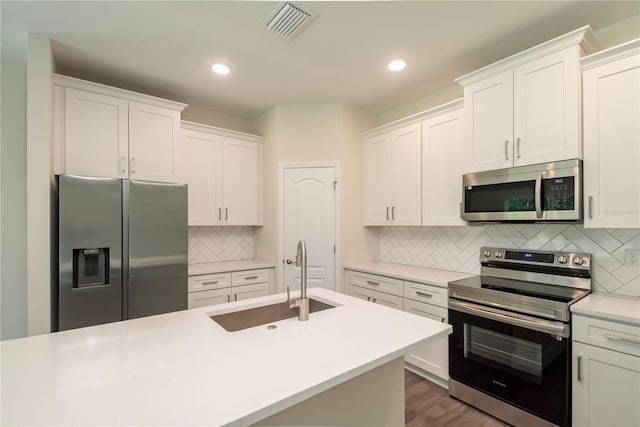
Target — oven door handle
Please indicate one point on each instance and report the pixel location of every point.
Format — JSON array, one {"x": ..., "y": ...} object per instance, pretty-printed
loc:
[{"x": 515, "y": 319}]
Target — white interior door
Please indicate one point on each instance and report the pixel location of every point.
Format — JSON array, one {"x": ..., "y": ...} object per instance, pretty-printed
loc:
[{"x": 309, "y": 214}]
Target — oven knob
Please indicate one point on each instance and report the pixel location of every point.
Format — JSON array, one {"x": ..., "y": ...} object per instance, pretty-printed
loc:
[
  {"x": 577, "y": 260},
  {"x": 487, "y": 253},
  {"x": 562, "y": 259},
  {"x": 498, "y": 254}
]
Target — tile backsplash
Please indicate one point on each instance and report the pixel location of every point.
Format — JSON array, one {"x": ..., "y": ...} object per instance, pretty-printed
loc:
[
  {"x": 215, "y": 244},
  {"x": 458, "y": 248}
]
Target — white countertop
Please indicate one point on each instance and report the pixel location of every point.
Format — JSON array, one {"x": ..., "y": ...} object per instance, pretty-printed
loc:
[
  {"x": 184, "y": 369},
  {"x": 430, "y": 276},
  {"x": 226, "y": 266},
  {"x": 610, "y": 307}
]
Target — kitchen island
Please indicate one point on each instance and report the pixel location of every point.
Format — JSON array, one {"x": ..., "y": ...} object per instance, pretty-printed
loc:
[{"x": 343, "y": 366}]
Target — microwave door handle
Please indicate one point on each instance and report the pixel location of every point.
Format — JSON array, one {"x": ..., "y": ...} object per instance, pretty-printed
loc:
[{"x": 539, "y": 196}]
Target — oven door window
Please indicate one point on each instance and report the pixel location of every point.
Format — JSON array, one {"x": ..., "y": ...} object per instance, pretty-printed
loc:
[
  {"x": 526, "y": 368},
  {"x": 513, "y": 355}
]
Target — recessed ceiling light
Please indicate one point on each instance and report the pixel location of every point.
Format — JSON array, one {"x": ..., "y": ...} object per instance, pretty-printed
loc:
[
  {"x": 397, "y": 65},
  {"x": 220, "y": 69}
]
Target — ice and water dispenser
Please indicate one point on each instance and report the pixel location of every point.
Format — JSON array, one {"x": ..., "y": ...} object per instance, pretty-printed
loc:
[{"x": 90, "y": 267}]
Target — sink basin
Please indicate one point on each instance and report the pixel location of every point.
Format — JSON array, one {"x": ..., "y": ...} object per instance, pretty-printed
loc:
[{"x": 239, "y": 320}]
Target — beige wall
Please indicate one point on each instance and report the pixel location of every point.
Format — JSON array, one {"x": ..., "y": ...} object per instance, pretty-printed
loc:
[
  {"x": 213, "y": 118},
  {"x": 39, "y": 182},
  {"x": 314, "y": 134}
]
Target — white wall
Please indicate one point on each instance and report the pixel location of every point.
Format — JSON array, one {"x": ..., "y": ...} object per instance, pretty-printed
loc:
[
  {"x": 316, "y": 133},
  {"x": 13, "y": 208}
]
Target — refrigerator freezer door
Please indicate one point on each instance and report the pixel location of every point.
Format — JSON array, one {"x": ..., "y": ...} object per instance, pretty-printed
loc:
[
  {"x": 157, "y": 251},
  {"x": 89, "y": 288}
]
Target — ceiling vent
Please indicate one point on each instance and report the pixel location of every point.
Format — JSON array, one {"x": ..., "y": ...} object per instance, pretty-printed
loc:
[{"x": 287, "y": 20}]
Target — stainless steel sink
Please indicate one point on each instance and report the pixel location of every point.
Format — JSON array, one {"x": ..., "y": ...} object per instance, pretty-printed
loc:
[{"x": 257, "y": 316}]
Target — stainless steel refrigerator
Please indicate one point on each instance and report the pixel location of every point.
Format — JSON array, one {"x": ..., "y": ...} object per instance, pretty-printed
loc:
[{"x": 122, "y": 250}]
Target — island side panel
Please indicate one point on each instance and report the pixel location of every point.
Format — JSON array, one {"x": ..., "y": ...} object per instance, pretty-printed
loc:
[{"x": 375, "y": 398}]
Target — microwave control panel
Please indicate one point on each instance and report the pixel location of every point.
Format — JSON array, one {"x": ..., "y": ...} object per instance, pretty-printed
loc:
[{"x": 559, "y": 194}]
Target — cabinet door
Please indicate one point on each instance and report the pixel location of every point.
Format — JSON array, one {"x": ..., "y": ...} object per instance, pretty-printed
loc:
[
  {"x": 406, "y": 178},
  {"x": 433, "y": 357},
  {"x": 201, "y": 170},
  {"x": 154, "y": 134},
  {"x": 606, "y": 387},
  {"x": 547, "y": 108},
  {"x": 611, "y": 149},
  {"x": 205, "y": 298},
  {"x": 488, "y": 112},
  {"x": 441, "y": 169},
  {"x": 377, "y": 180},
  {"x": 95, "y": 134},
  {"x": 241, "y": 293},
  {"x": 240, "y": 182}
]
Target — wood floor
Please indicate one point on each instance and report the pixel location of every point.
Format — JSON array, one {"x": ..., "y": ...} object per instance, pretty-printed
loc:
[{"x": 427, "y": 404}]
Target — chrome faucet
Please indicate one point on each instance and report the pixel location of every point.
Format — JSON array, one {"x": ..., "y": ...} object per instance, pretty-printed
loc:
[{"x": 301, "y": 303}]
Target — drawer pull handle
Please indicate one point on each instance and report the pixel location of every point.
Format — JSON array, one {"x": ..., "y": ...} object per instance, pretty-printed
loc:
[
  {"x": 212, "y": 282},
  {"x": 228, "y": 298},
  {"x": 616, "y": 338},
  {"x": 369, "y": 282},
  {"x": 250, "y": 277},
  {"x": 374, "y": 300},
  {"x": 235, "y": 297},
  {"x": 368, "y": 298},
  {"x": 442, "y": 320},
  {"x": 422, "y": 294}
]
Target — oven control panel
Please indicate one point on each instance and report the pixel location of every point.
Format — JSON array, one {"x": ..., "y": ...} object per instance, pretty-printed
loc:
[{"x": 567, "y": 260}]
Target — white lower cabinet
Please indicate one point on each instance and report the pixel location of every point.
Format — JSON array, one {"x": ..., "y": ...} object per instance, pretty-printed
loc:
[
  {"x": 418, "y": 298},
  {"x": 220, "y": 288},
  {"x": 431, "y": 302},
  {"x": 606, "y": 373}
]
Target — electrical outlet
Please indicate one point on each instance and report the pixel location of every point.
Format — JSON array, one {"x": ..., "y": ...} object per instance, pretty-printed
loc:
[{"x": 632, "y": 256}]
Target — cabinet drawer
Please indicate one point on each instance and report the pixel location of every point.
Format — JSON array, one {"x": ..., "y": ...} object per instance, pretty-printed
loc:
[
  {"x": 426, "y": 293},
  {"x": 209, "y": 281},
  {"x": 388, "y": 300},
  {"x": 604, "y": 333},
  {"x": 374, "y": 282},
  {"x": 240, "y": 293},
  {"x": 205, "y": 298},
  {"x": 433, "y": 312},
  {"x": 359, "y": 292},
  {"x": 248, "y": 277}
]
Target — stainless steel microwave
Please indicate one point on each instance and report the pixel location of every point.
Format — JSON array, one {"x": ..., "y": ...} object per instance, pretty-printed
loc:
[{"x": 543, "y": 192}]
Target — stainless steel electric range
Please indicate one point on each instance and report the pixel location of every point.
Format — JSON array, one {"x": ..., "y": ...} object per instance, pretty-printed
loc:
[{"x": 510, "y": 350}]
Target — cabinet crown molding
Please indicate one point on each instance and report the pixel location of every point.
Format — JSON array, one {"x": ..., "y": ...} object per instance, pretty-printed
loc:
[
  {"x": 584, "y": 37},
  {"x": 614, "y": 53},
  {"x": 418, "y": 117},
  {"x": 199, "y": 127},
  {"x": 66, "y": 81}
]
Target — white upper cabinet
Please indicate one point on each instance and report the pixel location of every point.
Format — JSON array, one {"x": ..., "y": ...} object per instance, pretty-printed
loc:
[
  {"x": 392, "y": 173},
  {"x": 442, "y": 143},
  {"x": 526, "y": 109},
  {"x": 108, "y": 132},
  {"x": 611, "y": 94},
  {"x": 240, "y": 183},
  {"x": 154, "y": 141},
  {"x": 223, "y": 170}
]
